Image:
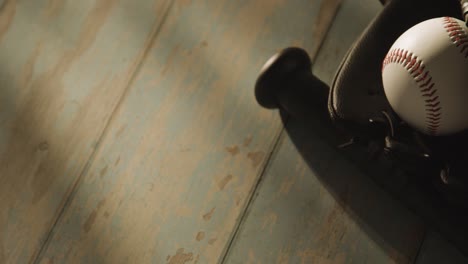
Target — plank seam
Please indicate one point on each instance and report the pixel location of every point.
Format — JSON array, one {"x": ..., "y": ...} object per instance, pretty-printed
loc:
[
  {"x": 419, "y": 251},
  {"x": 36, "y": 258},
  {"x": 275, "y": 148},
  {"x": 249, "y": 203}
]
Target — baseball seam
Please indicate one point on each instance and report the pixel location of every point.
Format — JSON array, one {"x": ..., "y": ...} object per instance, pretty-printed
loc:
[
  {"x": 457, "y": 34},
  {"x": 423, "y": 78}
]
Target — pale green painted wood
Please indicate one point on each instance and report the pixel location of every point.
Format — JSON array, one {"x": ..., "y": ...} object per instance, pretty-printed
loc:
[
  {"x": 185, "y": 149},
  {"x": 436, "y": 250},
  {"x": 64, "y": 67},
  {"x": 353, "y": 17},
  {"x": 317, "y": 207},
  {"x": 322, "y": 209}
]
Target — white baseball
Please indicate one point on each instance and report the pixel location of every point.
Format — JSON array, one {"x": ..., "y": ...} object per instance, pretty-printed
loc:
[{"x": 425, "y": 76}]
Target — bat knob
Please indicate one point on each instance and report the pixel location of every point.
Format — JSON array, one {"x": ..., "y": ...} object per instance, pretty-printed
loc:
[{"x": 278, "y": 72}]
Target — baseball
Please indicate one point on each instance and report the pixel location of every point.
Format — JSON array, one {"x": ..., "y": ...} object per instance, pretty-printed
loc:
[{"x": 425, "y": 76}]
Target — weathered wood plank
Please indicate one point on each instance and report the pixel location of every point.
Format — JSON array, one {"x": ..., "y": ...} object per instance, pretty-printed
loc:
[
  {"x": 352, "y": 18},
  {"x": 322, "y": 209},
  {"x": 64, "y": 67},
  {"x": 313, "y": 206},
  {"x": 436, "y": 250},
  {"x": 186, "y": 147}
]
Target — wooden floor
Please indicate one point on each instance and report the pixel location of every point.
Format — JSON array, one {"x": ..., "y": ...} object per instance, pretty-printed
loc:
[{"x": 129, "y": 133}]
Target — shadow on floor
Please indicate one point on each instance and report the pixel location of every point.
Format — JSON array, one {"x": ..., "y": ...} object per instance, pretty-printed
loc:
[{"x": 393, "y": 209}]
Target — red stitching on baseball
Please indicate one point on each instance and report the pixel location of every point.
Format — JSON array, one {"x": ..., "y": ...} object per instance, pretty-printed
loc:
[
  {"x": 423, "y": 78},
  {"x": 419, "y": 71},
  {"x": 416, "y": 67},
  {"x": 433, "y": 124},
  {"x": 430, "y": 94},
  {"x": 427, "y": 82},
  {"x": 428, "y": 88},
  {"x": 433, "y": 119},
  {"x": 434, "y": 110},
  {"x": 433, "y": 105},
  {"x": 457, "y": 34},
  {"x": 432, "y": 100}
]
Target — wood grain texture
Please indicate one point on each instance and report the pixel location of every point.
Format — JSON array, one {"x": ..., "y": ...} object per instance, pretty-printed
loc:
[
  {"x": 437, "y": 250},
  {"x": 64, "y": 65},
  {"x": 312, "y": 205},
  {"x": 352, "y": 18},
  {"x": 185, "y": 149}
]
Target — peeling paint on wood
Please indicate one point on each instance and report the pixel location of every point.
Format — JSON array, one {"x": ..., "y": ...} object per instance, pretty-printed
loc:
[
  {"x": 200, "y": 236},
  {"x": 212, "y": 241},
  {"x": 103, "y": 171},
  {"x": 313, "y": 206},
  {"x": 92, "y": 217},
  {"x": 247, "y": 141},
  {"x": 256, "y": 157},
  {"x": 323, "y": 21},
  {"x": 207, "y": 216},
  {"x": 234, "y": 150},
  {"x": 191, "y": 99},
  {"x": 313, "y": 225},
  {"x": 180, "y": 257},
  {"x": 7, "y": 11},
  {"x": 222, "y": 184},
  {"x": 61, "y": 80},
  {"x": 269, "y": 222}
]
